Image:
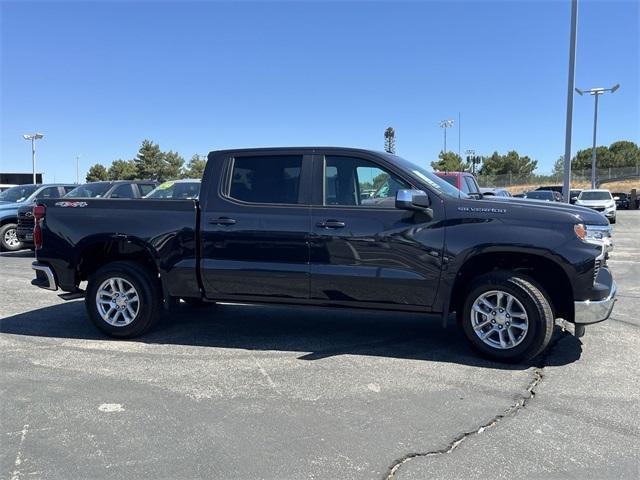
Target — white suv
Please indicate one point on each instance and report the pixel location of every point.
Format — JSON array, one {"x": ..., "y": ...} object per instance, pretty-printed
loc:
[{"x": 600, "y": 200}]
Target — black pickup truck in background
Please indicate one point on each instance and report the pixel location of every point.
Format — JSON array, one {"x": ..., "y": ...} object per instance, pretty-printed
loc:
[{"x": 293, "y": 226}]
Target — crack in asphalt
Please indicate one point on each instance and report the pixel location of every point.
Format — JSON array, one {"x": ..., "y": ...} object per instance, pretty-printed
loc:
[{"x": 538, "y": 376}]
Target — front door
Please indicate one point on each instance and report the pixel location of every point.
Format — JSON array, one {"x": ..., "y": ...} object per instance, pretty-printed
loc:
[
  {"x": 255, "y": 229},
  {"x": 364, "y": 251}
]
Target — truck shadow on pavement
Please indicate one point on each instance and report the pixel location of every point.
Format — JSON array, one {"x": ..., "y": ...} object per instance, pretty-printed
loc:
[{"x": 319, "y": 333}]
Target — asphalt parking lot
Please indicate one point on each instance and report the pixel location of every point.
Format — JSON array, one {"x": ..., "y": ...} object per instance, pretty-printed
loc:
[{"x": 239, "y": 392}]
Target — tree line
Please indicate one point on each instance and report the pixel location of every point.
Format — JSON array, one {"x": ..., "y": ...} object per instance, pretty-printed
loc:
[
  {"x": 150, "y": 163},
  {"x": 622, "y": 153}
]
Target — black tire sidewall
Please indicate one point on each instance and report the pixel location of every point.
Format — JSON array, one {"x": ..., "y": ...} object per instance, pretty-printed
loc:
[
  {"x": 3, "y": 230},
  {"x": 536, "y": 332},
  {"x": 147, "y": 292}
]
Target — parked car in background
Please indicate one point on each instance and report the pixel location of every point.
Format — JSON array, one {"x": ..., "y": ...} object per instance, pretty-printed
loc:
[
  {"x": 546, "y": 195},
  {"x": 177, "y": 189},
  {"x": 114, "y": 189},
  {"x": 553, "y": 188},
  {"x": 111, "y": 189},
  {"x": 599, "y": 200},
  {"x": 267, "y": 230},
  {"x": 463, "y": 181},
  {"x": 495, "y": 192},
  {"x": 622, "y": 200},
  {"x": 22, "y": 195},
  {"x": 519, "y": 195},
  {"x": 6, "y": 186},
  {"x": 573, "y": 195}
]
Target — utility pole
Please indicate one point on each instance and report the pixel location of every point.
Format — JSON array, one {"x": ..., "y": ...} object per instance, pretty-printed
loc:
[
  {"x": 444, "y": 124},
  {"x": 459, "y": 133},
  {"x": 566, "y": 183},
  {"x": 596, "y": 92}
]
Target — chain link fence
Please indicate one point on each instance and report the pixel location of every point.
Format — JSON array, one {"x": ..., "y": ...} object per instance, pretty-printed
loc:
[{"x": 603, "y": 175}]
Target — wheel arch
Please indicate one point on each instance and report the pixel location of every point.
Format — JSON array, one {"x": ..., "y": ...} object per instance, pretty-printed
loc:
[{"x": 545, "y": 272}]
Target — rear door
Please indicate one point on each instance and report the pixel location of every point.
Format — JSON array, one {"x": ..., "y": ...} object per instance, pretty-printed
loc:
[
  {"x": 255, "y": 225},
  {"x": 364, "y": 251}
]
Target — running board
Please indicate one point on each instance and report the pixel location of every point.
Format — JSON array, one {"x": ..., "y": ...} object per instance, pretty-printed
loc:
[{"x": 72, "y": 295}]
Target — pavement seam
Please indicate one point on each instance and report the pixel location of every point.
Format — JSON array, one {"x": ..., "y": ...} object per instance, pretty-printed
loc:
[{"x": 538, "y": 376}]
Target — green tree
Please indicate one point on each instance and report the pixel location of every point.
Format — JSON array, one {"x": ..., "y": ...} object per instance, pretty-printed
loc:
[
  {"x": 123, "y": 170},
  {"x": 195, "y": 167},
  {"x": 511, "y": 163},
  {"x": 172, "y": 164},
  {"x": 153, "y": 163},
  {"x": 582, "y": 160},
  {"x": 149, "y": 160},
  {"x": 97, "y": 173},
  {"x": 450, "y": 162},
  {"x": 390, "y": 140},
  {"x": 625, "y": 153},
  {"x": 558, "y": 167}
]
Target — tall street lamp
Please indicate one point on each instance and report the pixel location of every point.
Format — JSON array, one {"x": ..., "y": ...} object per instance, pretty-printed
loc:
[
  {"x": 33, "y": 137},
  {"x": 596, "y": 92},
  {"x": 444, "y": 124}
]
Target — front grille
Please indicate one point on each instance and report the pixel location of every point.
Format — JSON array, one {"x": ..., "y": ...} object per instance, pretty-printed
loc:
[
  {"x": 596, "y": 269},
  {"x": 598, "y": 209},
  {"x": 25, "y": 222}
]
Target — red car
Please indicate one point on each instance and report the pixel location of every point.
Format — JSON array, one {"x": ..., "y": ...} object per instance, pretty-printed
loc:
[{"x": 463, "y": 181}]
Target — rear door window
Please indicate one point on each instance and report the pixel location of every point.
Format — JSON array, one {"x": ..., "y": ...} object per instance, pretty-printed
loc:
[
  {"x": 145, "y": 188},
  {"x": 122, "y": 191},
  {"x": 266, "y": 179},
  {"x": 471, "y": 185}
]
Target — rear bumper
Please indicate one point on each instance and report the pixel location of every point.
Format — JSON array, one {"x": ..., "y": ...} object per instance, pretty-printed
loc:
[
  {"x": 45, "y": 277},
  {"x": 594, "y": 311}
]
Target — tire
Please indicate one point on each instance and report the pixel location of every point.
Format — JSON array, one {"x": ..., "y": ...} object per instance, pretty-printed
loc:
[
  {"x": 613, "y": 220},
  {"x": 530, "y": 307},
  {"x": 117, "y": 279},
  {"x": 9, "y": 239}
]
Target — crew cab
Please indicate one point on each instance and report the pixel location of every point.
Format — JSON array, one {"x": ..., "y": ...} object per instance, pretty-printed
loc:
[
  {"x": 110, "y": 189},
  {"x": 290, "y": 226}
]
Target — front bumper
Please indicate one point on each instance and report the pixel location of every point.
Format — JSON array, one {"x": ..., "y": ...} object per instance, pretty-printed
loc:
[
  {"x": 45, "y": 277},
  {"x": 594, "y": 311}
]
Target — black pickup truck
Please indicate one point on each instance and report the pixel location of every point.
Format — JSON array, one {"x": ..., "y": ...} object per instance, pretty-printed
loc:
[{"x": 300, "y": 226}]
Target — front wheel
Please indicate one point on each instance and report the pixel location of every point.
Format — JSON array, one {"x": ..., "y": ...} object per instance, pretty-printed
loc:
[
  {"x": 9, "y": 238},
  {"x": 123, "y": 299},
  {"x": 507, "y": 317}
]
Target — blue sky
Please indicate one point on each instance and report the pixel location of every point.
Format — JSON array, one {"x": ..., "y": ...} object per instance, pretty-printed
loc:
[{"x": 99, "y": 77}]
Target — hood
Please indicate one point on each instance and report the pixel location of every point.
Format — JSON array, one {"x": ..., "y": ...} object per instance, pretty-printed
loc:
[
  {"x": 596, "y": 203},
  {"x": 11, "y": 205},
  {"x": 525, "y": 206}
]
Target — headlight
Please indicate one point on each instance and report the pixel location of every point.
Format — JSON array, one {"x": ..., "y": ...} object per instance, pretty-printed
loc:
[{"x": 598, "y": 234}]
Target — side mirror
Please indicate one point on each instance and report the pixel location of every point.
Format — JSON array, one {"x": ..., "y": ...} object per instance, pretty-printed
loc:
[{"x": 412, "y": 200}]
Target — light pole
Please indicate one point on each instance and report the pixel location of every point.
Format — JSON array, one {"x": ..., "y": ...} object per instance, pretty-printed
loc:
[
  {"x": 446, "y": 124},
  {"x": 566, "y": 182},
  {"x": 78, "y": 169},
  {"x": 596, "y": 92},
  {"x": 33, "y": 137}
]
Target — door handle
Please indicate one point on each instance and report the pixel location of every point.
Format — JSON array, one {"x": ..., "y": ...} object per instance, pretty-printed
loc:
[
  {"x": 222, "y": 221},
  {"x": 331, "y": 224}
]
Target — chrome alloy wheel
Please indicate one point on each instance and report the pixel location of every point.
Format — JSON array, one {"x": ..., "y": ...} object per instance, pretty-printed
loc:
[
  {"x": 117, "y": 301},
  {"x": 11, "y": 238},
  {"x": 499, "y": 319}
]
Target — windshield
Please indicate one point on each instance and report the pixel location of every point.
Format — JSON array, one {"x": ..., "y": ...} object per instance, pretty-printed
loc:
[
  {"x": 18, "y": 194},
  {"x": 540, "y": 195},
  {"x": 428, "y": 177},
  {"x": 176, "y": 190},
  {"x": 90, "y": 190},
  {"x": 595, "y": 196}
]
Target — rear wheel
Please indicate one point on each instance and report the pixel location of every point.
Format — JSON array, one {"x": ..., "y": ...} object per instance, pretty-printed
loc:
[
  {"x": 9, "y": 238},
  {"x": 613, "y": 219},
  {"x": 123, "y": 299},
  {"x": 507, "y": 317}
]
